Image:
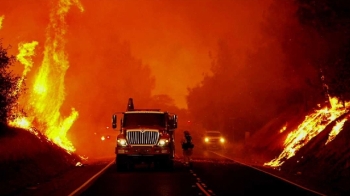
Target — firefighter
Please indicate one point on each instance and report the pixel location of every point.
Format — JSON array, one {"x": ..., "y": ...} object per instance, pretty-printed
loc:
[{"x": 187, "y": 148}]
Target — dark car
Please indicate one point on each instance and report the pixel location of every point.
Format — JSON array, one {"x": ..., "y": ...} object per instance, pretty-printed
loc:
[{"x": 213, "y": 140}]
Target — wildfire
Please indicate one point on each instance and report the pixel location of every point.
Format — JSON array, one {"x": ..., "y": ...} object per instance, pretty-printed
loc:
[
  {"x": 47, "y": 94},
  {"x": 313, "y": 124}
]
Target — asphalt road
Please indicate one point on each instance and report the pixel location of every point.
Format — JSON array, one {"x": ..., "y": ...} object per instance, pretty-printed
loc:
[{"x": 211, "y": 174}]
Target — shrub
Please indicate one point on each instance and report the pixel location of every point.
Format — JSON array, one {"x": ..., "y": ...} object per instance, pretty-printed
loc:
[{"x": 9, "y": 89}]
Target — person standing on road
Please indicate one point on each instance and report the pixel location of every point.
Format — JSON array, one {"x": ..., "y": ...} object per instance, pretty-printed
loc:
[{"x": 187, "y": 148}]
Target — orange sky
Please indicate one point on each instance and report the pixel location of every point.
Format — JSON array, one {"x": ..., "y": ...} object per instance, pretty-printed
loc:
[{"x": 173, "y": 37}]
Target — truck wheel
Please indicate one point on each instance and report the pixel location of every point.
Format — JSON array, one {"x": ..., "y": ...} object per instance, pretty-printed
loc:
[
  {"x": 165, "y": 164},
  {"x": 120, "y": 164},
  {"x": 170, "y": 164}
]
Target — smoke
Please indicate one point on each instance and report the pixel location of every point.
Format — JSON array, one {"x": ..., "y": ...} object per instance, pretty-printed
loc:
[
  {"x": 121, "y": 49},
  {"x": 253, "y": 84},
  {"x": 174, "y": 38}
]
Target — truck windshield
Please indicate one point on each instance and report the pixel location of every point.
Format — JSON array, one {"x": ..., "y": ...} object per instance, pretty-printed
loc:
[{"x": 144, "y": 119}]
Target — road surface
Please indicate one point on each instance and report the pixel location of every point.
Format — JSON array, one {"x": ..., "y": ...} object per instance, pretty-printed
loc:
[{"x": 211, "y": 174}]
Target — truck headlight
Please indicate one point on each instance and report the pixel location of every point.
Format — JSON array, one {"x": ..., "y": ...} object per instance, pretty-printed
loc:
[
  {"x": 163, "y": 142},
  {"x": 222, "y": 140},
  {"x": 121, "y": 142},
  {"x": 206, "y": 139}
]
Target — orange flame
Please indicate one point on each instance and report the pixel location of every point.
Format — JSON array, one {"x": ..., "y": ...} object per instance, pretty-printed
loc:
[
  {"x": 336, "y": 129},
  {"x": 21, "y": 122},
  {"x": 313, "y": 124},
  {"x": 48, "y": 92},
  {"x": 1, "y": 19},
  {"x": 26, "y": 50}
]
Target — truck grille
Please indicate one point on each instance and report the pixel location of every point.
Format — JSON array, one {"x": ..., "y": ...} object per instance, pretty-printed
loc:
[{"x": 147, "y": 137}]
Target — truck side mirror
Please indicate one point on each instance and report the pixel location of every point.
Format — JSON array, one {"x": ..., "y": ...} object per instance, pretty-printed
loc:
[
  {"x": 173, "y": 122},
  {"x": 114, "y": 121}
]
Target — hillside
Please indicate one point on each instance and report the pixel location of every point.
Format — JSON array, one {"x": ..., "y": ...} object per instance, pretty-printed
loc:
[
  {"x": 317, "y": 165},
  {"x": 28, "y": 159}
]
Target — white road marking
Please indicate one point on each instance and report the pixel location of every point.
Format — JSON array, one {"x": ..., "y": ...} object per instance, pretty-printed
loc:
[
  {"x": 268, "y": 173},
  {"x": 85, "y": 185},
  {"x": 202, "y": 189}
]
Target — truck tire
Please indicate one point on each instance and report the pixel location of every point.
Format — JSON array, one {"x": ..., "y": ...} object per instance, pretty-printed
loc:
[
  {"x": 120, "y": 164},
  {"x": 164, "y": 164},
  {"x": 170, "y": 164}
]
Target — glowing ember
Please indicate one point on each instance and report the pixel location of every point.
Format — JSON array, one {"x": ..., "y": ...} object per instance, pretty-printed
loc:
[
  {"x": 1, "y": 19},
  {"x": 309, "y": 128},
  {"x": 48, "y": 93},
  {"x": 283, "y": 129}
]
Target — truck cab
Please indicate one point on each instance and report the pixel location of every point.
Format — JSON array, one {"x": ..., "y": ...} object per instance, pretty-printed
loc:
[{"x": 145, "y": 136}]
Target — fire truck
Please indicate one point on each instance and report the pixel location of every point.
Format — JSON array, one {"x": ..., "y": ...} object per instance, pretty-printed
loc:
[{"x": 146, "y": 136}]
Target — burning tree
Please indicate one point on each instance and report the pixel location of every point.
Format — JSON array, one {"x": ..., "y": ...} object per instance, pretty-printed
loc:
[{"x": 9, "y": 90}]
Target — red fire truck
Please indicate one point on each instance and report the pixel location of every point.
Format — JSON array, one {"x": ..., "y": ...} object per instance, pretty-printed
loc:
[{"x": 146, "y": 136}]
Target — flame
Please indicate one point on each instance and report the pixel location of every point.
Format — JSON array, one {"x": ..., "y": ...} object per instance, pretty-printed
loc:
[
  {"x": 21, "y": 122},
  {"x": 283, "y": 128},
  {"x": 48, "y": 93},
  {"x": 1, "y": 19},
  {"x": 26, "y": 51},
  {"x": 336, "y": 129},
  {"x": 313, "y": 124}
]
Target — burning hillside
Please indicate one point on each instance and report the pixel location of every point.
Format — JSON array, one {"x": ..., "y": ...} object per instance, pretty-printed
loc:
[
  {"x": 313, "y": 124},
  {"x": 314, "y": 150},
  {"x": 46, "y": 95},
  {"x": 326, "y": 164},
  {"x": 39, "y": 149}
]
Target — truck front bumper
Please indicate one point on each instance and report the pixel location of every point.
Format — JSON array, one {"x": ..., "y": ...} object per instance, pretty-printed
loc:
[{"x": 142, "y": 150}]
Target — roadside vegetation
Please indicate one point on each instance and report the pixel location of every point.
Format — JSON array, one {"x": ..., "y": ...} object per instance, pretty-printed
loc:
[{"x": 9, "y": 90}]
